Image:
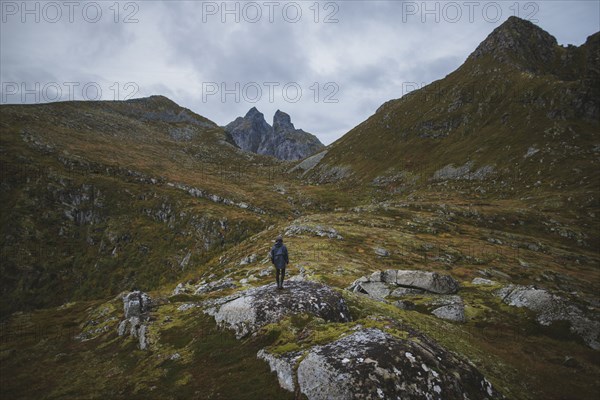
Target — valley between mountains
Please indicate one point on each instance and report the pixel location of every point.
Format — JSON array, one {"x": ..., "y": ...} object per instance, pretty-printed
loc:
[{"x": 445, "y": 248}]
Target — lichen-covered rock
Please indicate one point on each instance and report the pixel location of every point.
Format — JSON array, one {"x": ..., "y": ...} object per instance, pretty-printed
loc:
[
  {"x": 245, "y": 312},
  {"x": 371, "y": 364},
  {"x": 549, "y": 308}
]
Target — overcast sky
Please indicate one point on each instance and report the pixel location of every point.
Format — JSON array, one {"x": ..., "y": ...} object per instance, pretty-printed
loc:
[{"x": 329, "y": 64}]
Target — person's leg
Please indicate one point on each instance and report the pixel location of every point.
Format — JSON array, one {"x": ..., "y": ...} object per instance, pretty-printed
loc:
[
  {"x": 282, "y": 276},
  {"x": 277, "y": 272}
]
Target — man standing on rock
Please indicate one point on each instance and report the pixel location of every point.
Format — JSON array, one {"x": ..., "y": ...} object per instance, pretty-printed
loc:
[{"x": 279, "y": 258}]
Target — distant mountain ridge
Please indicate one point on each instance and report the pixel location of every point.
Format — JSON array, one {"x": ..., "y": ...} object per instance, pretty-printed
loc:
[{"x": 282, "y": 140}]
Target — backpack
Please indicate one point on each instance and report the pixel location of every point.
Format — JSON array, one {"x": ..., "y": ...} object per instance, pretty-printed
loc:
[{"x": 278, "y": 256}]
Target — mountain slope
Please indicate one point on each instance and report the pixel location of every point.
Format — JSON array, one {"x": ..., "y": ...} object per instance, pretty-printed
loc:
[
  {"x": 282, "y": 140},
  {"x": 100, "y": 197},
  {"x": 519, "y": 116}
]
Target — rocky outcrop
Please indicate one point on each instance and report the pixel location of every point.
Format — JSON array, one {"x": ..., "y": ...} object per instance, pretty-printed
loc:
[
  {"x": 136, "y": 306},
  {"x": 463, "y": 172},
  {"x": 246, "y": 312},
  {"x": 225, "y": 283},
  {"x": 483, "y": 281},
  {"x": 322, "y": 231},
  {"x": 282, "y": 140},
  {"x": 431, "y": 282},
  {"x": 549, "y": 307},
  {"x": 372, "y": 364},
  {"x": 204, "y": 286},
  {"x": 399, "y": 283}
]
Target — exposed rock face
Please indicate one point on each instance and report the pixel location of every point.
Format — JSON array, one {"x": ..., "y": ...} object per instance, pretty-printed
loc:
[
  {"x": 549, "y": 308},
  {"x": 136, "y": 306},
  {"x": 372, "y": 364},
  {"x": 282, "y": 140},
  {"x": 249, "y": 132},
  {"x": 136, "y": 303},
  {"x": 282, "y": 122},
  {"x": 245, "y": 312},
  {"x": 291, "y": 143},
  {"x": 309, "y": 163}
]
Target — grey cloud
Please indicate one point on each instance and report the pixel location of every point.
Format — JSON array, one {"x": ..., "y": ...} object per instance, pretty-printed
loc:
[{"x": 369, "y": 53}]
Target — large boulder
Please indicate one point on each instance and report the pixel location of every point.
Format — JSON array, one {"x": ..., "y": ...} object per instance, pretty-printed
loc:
[
  {"x": 372, "y": 364},
  {"x": 380, "y": 283},
  {"x": 376, "y": 290},
  {"x": 429, "y": 281},
  {"x": 246, "y": 312},
  {"x": 549, "y": 307}
]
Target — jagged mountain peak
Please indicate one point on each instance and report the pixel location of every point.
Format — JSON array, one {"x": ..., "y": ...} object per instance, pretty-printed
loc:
[
  {"x": 253, "y": 113},
  {"x": 518, "y": 40},
  {"x": 282, "y": 140},
  {"x": 282, "y": 122}
]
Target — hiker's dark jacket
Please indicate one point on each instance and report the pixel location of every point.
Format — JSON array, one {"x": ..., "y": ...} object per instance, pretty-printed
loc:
[{"x": 279, "y": 255}]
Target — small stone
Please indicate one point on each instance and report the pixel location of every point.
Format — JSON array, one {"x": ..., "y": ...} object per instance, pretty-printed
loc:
[
  {"x": 454, "y": 312},
  {"x": 482, "y": 281},
  {"x": 405, "y": 304},
  {"x": 571, "y": 362},
  {"x": 381, "y": 252}
]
